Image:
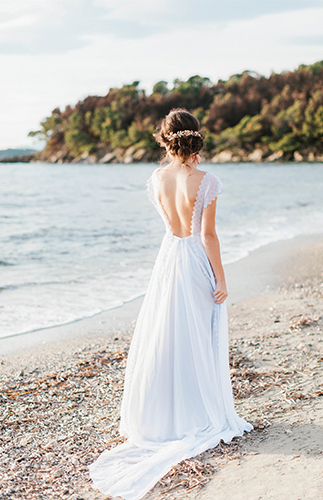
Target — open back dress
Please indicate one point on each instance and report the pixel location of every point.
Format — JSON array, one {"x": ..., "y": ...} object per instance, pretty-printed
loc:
[{"x": 177, "y": 398}]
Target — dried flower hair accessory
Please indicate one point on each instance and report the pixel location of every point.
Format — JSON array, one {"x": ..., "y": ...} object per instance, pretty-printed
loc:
[{"x": 182, "y": 133}]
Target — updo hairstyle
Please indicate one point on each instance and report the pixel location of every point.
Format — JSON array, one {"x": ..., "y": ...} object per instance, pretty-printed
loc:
[{"x": 183, "y": 146}]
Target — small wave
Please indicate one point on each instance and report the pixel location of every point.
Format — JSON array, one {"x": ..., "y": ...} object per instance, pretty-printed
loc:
[
  {"x": 116, "y": 304},
  {"x": 32, "y": 284}
]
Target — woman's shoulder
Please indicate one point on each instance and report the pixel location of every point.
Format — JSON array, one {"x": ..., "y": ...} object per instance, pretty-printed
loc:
[
  {"x": 153, "y": 175},
  {"x": 210, "y": 175},
  {"x": 213, "y": 187},
  {"x": 212, "y": 180}
]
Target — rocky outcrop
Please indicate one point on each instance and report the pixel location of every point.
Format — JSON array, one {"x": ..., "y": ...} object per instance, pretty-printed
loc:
[
  {"x": 256, "y": 155},
  {"x": 102, "y": 154},
  {"x": 278, "y": 155},
  {"x": 105, "y": 155},
  {"x": 298, "y": 156},
  {"x": 237, "y": 156},
  {"x": 223, "y": 157}
]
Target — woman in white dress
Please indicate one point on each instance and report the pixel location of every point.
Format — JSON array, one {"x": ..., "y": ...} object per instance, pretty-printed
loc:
[{"x": 177, "y": 399}]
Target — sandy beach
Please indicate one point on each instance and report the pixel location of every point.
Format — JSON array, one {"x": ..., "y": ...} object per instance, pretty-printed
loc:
[{"x": 61, "y": 389}]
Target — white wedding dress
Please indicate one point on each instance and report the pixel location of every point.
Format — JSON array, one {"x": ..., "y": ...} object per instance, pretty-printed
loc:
[{"x": 177, "y": 399}]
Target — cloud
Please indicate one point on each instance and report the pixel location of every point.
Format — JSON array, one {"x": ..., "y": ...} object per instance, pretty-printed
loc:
[
  {"x": 304, "y": 40},
  {"x": 33, "y": 85},
  {"x": 56, "y": 27},
  {"x": 70, "y": 26}
]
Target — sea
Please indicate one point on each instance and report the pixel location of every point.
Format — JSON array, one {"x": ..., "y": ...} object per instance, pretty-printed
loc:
[{"x": 76, "y": 240}]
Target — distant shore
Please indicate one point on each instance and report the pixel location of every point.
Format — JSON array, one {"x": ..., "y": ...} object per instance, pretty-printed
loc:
[{"x": 105, "y": 155}]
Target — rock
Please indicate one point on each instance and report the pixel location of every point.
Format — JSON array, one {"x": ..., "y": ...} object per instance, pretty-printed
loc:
[
  {"x": 319, "y": 158},
  {"x": 128, "y": 157},
  {"x": 236, "y": 159},
  {"x": 83, "y": 158},
  {"x": 256, "y": 156},
  {"x": 92, "y": 159},
  {"x": 61, "y": 154},
  {"x": 275, "y": 156},
  {"x": 311, "y": 156},
  {"x": 130, "y": 151},
  {"x": 223, "y": 157},
  {"x": 114, "y": 156},
  {"x": 139, "y": 154},
  {"x": 119, "y": 154},
  {"x": 298, "y": 156},
  {"x": 108, "y": 157}
]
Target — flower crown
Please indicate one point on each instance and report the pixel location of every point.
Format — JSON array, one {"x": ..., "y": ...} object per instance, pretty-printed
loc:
[{"x": 182, "y": 133}]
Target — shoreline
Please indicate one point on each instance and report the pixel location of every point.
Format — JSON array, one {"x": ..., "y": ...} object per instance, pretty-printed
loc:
[
  {"x": 261, "y": 271},
  {"x": 224, "y": 158}
]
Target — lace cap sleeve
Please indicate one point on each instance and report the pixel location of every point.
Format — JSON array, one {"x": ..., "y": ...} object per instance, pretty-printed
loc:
[{"x": 213, "y": 189}]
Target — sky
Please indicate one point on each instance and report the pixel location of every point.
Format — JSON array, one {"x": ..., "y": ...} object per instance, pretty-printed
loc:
[{"x": 56, "y": 52}]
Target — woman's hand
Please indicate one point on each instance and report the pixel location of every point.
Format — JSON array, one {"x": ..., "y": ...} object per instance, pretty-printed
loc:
[{"x": 221, "y": 292}]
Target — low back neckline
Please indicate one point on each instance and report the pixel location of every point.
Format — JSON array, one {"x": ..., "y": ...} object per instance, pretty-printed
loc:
[{"x": 196, "y": 200}]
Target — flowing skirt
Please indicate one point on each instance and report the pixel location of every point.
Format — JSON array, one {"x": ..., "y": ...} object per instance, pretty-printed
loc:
[{"x": 177, "y": 399}]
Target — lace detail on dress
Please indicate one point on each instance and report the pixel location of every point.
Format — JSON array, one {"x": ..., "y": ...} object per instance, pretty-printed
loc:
[
  {"x": 197, "y": 209},
  {"x": 213, "y": 189}
]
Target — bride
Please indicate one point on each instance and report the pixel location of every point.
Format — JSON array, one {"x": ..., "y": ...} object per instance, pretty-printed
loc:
[{"x": 177, "y": 398}]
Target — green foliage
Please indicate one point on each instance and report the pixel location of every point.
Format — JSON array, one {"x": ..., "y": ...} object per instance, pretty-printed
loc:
[
  {"x": 288, "y": 144},
  {"x": 246, "y": 133},
  {"x": 312, "y": 127},
  {"x": 120, "y": 139},
  {"x": 160, "y": 87},
  {"x": 192, "y": 86},
  {"x": 50, "y": 127},
  {"x": 98, "y": 118},
  {"x": 281, "y": 112},
  {"x": 287, "y": 120},
  {"x": 77, "y": 139}
]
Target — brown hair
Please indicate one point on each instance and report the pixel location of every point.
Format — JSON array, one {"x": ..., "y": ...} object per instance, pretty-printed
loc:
[{"x": 183, "y": 146}]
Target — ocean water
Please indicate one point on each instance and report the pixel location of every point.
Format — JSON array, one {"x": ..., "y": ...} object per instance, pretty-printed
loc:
[{"x": 76, "y": 240}]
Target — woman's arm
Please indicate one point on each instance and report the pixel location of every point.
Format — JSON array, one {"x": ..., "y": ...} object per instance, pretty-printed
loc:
[{"x": 212, "y": 247}]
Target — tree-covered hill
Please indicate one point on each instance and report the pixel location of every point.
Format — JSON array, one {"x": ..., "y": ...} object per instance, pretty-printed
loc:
[
  {"x": 247, "y": 117},
  {"x": 9, "y": 153}
]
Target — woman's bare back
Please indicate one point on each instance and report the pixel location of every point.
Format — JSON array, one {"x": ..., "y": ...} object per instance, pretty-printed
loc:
[{"x": 177, "y": 193}]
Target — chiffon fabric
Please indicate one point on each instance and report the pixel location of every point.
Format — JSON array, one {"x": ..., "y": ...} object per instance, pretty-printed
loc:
[{"x": 177, "y": 399}]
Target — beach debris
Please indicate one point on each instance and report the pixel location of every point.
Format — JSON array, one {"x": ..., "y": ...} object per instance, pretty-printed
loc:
[
  {"x": 301, "y": 321},
  {"x": 188, "y": 474}
]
